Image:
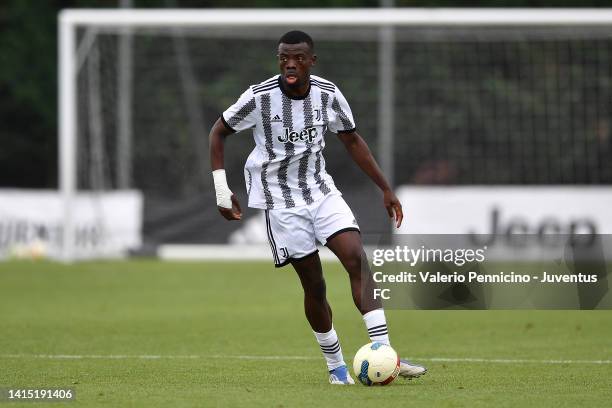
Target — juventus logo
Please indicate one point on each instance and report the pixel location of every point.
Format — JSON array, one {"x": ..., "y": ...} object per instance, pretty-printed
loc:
[{"x": 317, "y": 114}]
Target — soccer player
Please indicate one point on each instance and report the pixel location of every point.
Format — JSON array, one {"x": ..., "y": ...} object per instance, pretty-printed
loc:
[{"x": 285, "y": 176}]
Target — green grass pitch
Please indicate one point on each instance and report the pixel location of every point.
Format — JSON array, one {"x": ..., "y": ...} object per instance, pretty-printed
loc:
[{"x": 234, "y": 334}]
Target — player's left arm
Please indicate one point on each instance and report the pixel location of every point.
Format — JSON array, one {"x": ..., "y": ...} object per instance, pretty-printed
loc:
[{"x": 361, "y": 154}]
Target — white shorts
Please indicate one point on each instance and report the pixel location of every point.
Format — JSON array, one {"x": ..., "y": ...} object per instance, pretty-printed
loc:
[{"x": 293, "y": 232}]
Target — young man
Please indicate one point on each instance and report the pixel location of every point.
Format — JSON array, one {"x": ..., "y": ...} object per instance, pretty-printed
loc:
[{"x": 285, "y": 175}]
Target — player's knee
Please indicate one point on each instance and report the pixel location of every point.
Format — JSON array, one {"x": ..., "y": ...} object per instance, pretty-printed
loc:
[{"x": 354, "y": 260}]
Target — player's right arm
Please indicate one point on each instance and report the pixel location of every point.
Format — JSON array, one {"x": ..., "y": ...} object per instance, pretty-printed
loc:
[
  {"x": 240, "y": 116},
  {"x": 227, "y": 203}
]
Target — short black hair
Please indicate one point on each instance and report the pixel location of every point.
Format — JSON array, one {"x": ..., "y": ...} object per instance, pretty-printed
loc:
[{"x": 296, "y": 37}]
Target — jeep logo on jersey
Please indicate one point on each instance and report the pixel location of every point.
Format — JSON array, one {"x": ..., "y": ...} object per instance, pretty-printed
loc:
[{"x": 307, "y": 135}]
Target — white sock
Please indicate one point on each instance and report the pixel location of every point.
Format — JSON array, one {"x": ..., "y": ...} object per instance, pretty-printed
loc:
[
  {"x": 330, "y": 346},
  {"x": 377, "y": 326}
]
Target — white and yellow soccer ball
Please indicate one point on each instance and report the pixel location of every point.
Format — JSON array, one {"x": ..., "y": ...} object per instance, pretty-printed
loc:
[{"x": 376, "y": 364}]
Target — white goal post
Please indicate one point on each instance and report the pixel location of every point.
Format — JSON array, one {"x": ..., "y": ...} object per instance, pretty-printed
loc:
[{"x": 73, "y": 19}]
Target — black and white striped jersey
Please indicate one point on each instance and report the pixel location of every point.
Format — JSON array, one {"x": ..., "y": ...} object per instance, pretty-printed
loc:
[{"x": 287, "y": 169}]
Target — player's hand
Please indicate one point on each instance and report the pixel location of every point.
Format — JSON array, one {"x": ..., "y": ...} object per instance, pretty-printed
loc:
[
  {"x": 234, "y": 213},
  {"x": 394, "y": 207}
]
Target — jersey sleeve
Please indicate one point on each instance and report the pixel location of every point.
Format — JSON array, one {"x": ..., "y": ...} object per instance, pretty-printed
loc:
[
  {"x": 241, "y": 115},
  {"x": 342, "y": 119}
]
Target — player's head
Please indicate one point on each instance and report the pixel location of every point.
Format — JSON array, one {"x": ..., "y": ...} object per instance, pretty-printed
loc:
[{"x": 295, "y": 57}]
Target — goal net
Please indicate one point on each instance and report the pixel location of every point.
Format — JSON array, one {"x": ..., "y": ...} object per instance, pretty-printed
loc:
[{"x": 452, "y": 97}]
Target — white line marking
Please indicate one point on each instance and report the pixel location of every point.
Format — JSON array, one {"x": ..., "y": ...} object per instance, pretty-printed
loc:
[
  {"x": 512, "y": 361},
  {"x": 282, "y": 358}
]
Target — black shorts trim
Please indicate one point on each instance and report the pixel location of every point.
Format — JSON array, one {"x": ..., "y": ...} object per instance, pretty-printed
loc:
[
  {"x": 289, "y": 260},
  {"x": 231, "y": 129},
  {"x": 345, "y": 131},
  {"x": 341, "y": 231}
]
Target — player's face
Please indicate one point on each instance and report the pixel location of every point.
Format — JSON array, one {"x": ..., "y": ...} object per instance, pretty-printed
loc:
[{"x": 295, "y": 62}]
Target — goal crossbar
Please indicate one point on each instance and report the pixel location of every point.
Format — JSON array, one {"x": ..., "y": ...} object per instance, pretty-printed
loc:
[
  {"x": 338, "y": 17},
  {"x": 72, "y": 19}
]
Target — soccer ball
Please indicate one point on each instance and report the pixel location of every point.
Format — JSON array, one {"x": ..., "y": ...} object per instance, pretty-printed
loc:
[{"x": 376, "y": 364}]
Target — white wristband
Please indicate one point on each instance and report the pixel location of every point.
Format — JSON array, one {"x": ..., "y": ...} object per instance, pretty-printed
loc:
[{"x": 224, "y": 194}]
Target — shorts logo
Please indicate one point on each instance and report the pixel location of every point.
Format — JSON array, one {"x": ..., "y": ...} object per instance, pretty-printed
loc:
[{"x": 307, "y": 135}]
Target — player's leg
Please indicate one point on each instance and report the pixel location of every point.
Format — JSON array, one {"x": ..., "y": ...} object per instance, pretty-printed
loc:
[
  {"x": 348, "y": 248},
  {"x": 316, "y": 307},
  {"x": 319, "y": 315},
  {"x": 337, "y": 229},
  {"x": 292, "y": 242}
]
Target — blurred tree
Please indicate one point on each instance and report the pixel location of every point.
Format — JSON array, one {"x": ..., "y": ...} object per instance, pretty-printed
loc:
[
  {"x": 28, "y": 85},
  {"x": 28, "y": 89}
]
